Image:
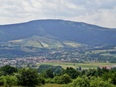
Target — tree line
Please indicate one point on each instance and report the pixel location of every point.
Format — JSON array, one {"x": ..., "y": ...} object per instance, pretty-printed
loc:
[{"x": 70, "y": 77}]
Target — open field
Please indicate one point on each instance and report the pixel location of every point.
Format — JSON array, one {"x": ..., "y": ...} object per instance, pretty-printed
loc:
[{"x": 76, "y": 65}]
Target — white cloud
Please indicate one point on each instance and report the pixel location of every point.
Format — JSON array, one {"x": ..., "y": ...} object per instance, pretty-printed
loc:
[
  {"x": 102, "y": 17},
  {"x": 101, "y": 12}
]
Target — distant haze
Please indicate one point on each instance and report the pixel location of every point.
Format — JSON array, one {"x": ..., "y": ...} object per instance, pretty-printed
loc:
[{"x": 99, "y": 12}]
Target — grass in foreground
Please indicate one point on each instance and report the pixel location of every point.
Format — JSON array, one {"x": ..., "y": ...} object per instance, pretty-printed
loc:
[
  {"x": 46, "y": 85},
  {"x": 52, "y": 85}
]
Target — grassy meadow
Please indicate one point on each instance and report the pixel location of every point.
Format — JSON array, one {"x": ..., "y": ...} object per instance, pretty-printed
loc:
[{"x": 52, "y": 85}]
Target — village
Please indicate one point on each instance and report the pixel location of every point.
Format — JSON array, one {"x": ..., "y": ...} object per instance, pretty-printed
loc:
[
  {"x": 34, "y": 62},
  {"x": 24, "y": 62}
]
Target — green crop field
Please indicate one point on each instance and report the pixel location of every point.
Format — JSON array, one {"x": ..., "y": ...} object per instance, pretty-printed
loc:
[{"x": 76, "y": 65}]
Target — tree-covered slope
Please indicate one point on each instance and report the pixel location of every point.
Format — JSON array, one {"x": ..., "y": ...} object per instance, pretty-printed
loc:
[{"x": 59, "y": 30}]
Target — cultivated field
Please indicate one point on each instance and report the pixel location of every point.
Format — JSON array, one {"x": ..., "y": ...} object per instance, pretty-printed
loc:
[{"x": 76, "y": 65}]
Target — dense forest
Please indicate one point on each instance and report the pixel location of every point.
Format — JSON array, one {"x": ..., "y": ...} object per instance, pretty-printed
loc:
[{"x": 69, "y": 77}]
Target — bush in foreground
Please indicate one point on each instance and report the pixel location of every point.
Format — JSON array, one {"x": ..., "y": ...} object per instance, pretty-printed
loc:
[{"x": 28, "y": 78}]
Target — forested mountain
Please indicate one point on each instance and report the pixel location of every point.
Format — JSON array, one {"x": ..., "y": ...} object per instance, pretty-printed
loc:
[
  {"x": 57, "y": 31},
  {"x": 40, "y": 37}
]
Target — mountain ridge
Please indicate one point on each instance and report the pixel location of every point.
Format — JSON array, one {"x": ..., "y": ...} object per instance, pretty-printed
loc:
[
  {"x": 54, "y": 20},
  {"x": 60, "y": 30}
]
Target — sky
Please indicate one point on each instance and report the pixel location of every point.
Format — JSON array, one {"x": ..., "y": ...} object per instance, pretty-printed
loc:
[{"x": 98, "y": 12}]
